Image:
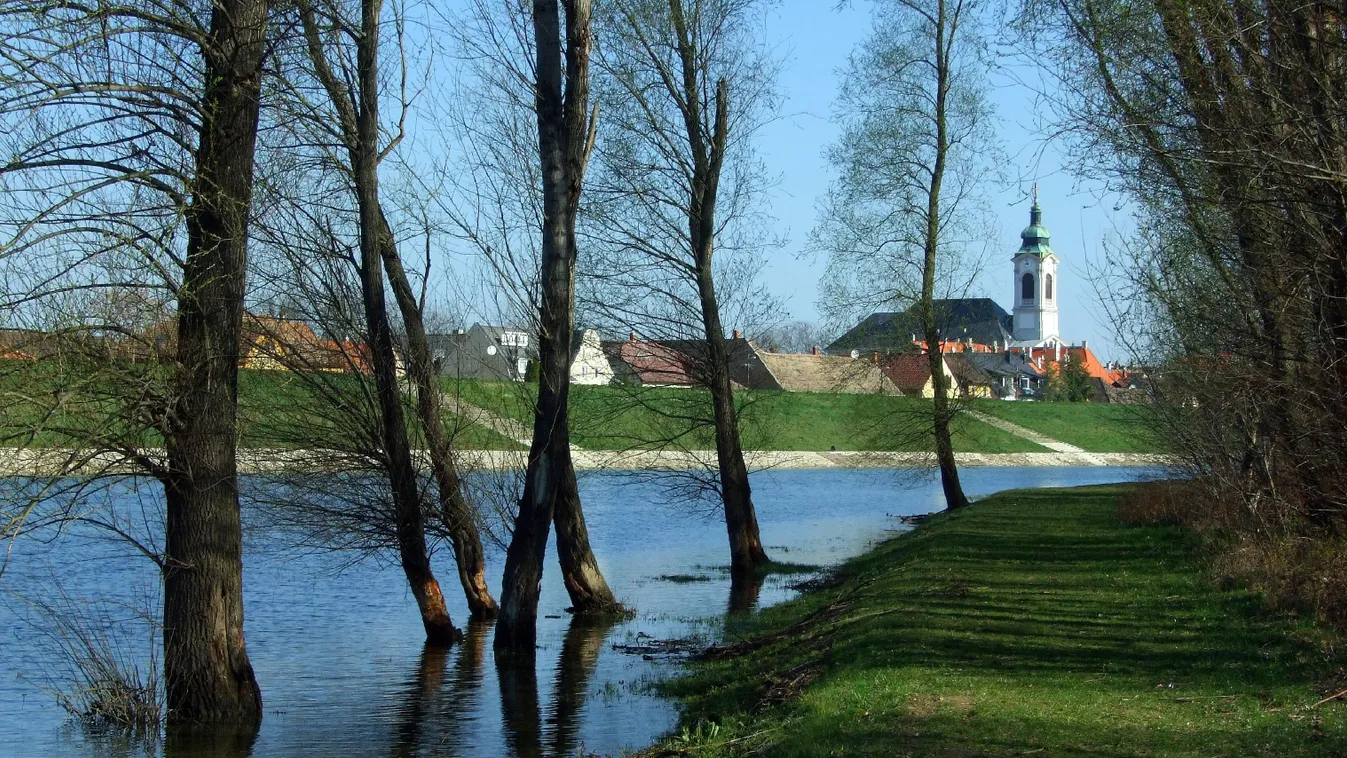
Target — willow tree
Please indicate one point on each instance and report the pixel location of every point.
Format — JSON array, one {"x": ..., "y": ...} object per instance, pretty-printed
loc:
[
  {"x": 1223, "y": 121},
  {"x": 902, "y": 218},
  {"x": 130, "y": 132},
  {"x": 685, "y": 87},
  {"x": 565, "y": 139}
]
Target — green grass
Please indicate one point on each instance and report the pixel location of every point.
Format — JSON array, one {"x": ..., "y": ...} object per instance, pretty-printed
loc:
[
  {"x": 1033, "y": 623},
  {"x": 616, "y": 418},
  {"x": 276, "y": 410},
  {"x": 1096, "y": 427}
]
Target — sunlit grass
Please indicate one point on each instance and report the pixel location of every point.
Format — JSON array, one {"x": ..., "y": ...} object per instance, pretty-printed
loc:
[{"x": 1033, "y": 623}]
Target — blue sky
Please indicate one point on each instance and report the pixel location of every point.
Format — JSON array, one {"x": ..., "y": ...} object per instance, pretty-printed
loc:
[{"x": 815, "y": 39}]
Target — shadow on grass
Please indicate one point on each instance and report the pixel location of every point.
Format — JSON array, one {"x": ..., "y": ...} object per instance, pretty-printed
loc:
[{"x": 1033, "y": 622}]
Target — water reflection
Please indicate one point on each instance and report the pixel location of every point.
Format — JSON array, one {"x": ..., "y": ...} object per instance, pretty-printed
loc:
[
  {"x": 579, "y": 655},
  {"x": 518, "y": 675},
  {"x": 433, "y": 715},
  {"x": 744, "y": 592},
  {"x": 213, "y": 742}
]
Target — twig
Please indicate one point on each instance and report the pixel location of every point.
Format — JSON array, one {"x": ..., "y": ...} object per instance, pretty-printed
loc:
[{"x": 1330, "y": 697}]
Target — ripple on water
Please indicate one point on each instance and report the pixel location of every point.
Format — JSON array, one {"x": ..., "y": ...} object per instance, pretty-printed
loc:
[{"x": 337, "y": 649}]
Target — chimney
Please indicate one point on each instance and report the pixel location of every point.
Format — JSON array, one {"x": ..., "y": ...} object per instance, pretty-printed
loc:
[
  {"x": 1084, "y": 344},
  {"x": 633, "y": 336},
  {"x": 735, "y": 333},
  {"x": 816, "y": 350}
]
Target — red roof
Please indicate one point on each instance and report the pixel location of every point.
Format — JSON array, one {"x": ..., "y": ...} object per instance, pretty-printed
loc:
[
  {"x": 654, "y": 363},
  {"x": 908, "y": 372}
]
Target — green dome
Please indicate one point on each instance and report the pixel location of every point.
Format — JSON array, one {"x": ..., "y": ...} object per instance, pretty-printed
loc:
[{"x": 1034, "y": 238}]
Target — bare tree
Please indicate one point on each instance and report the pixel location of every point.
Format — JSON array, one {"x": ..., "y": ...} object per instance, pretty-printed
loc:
[
  {"x": 129, "y": 160},
  {"x": 903, "y": 214},
  {"x": 497, "y": 200},
  {"x": 565, "y": 139},
  {"x": 685, "y": 88},
  {"x": 353, "y": 98}
]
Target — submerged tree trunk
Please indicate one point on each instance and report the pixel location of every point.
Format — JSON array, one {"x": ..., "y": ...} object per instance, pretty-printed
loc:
[
  {"x": 941, "y": 414},
  {"x": 454, "y": 508},
  {"x": 207, "y": 674},
  {"x": 741, "y": 519},
  {"x": 357, "y": 107},
  {"x": 550, "y": 477},
  {"x": 585, "y": 584},
  {"x": 411, "y": 534}
]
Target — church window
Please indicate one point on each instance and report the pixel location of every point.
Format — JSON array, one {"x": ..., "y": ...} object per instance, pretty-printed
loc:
[
  {"x": 1027, "y": 287},
  {"x": 1047, "y": 287}
]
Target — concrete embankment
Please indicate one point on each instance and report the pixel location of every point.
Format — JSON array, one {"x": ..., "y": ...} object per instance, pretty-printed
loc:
[{"x": 46, "y": 462}]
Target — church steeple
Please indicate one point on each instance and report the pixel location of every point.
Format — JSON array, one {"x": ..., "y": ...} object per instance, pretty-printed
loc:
[
  {"x": 1034, "y": 238},
  {"x": 1035, "y": 286}
]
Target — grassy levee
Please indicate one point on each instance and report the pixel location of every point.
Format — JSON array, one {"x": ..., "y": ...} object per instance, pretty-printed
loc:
[
  {"x": 1095, "y": 427},
  {"x": 45, "y": 405},
  {"x": 618, "y": 418},
  {"x": 1033, "y": 623}
]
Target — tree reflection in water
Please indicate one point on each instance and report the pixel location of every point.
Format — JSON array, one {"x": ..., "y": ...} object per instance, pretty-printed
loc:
[
  {"x": 433, "y": 715},
  {"x": 518, "y": 674},
  {"x": 744, "y": 591}
]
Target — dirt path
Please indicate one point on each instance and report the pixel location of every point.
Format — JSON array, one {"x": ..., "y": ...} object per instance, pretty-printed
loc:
[
  {"x": 505, "y": 427},
  {"x": 1092, "y": 459}
]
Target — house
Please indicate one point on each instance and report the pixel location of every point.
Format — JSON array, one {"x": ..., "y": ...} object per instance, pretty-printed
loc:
[
  {"x": 489, "y": 352},
  {"x": 911, "y": 374},
  {"x": 648, "y": 363},
  {"x": 973, "y": 381},
  {"x": 1013, "y": 376},
  {"x": 822, "y": 373},
  {"x": 279, "y": 344},
  {"x": 589, "y": 363}
]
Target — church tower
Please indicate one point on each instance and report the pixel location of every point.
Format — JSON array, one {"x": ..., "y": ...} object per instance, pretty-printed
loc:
[{"x": 1035, "y": 288}]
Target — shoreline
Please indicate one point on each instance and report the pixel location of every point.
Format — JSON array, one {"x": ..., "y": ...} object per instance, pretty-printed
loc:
[{"x": 54, "y": 461}]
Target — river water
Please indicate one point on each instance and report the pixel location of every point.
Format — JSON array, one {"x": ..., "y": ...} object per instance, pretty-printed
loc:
[{"x": 337, "y": 646}]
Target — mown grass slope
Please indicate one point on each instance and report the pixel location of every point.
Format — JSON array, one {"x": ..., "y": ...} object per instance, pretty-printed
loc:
[
  {"x": 1096, "y": 427},
  {"x": 614, "y": 418},
  {"x": 1033, "y": 623}
]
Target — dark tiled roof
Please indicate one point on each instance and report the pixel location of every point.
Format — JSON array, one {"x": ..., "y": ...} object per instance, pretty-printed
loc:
[{"x": 976, "y": 318}]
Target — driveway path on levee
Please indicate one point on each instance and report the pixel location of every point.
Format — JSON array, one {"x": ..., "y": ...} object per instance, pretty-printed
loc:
[
  {"x": 506, "y": 427},
  {"x": 1035, "y": 437}
]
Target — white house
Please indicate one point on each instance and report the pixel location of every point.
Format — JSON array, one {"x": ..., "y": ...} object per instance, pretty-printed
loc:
[{"x": 589, "y": 364}]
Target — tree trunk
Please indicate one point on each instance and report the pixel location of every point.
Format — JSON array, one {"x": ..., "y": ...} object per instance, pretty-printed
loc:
[
  {"x": 741, "y": 518},
  {"x": 454, "y": 508},
  {"x": 585, "y": 584},
  {"x": 561, "y": 148},
  {"x": 940, "y": 404},
  {"x": 411, "y": 534},
  {"x": 207, "y": 674}
]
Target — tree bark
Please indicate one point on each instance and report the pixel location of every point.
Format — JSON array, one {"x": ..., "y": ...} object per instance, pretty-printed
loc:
[
  {"x": 941, "y": 412},
  {"x": 562, "y": 149},
  {"x": 411, "y": 534},
  {"x": 454, "y": 509},
  {"x": 741, "y": 519},
  {"x": 588, "y": 590},
  {"x": 357, "y": 108},
  {"x": 207, "y": 674}
]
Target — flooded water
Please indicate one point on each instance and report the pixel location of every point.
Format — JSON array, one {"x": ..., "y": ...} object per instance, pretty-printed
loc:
[{"x": 337, "y": 647}]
